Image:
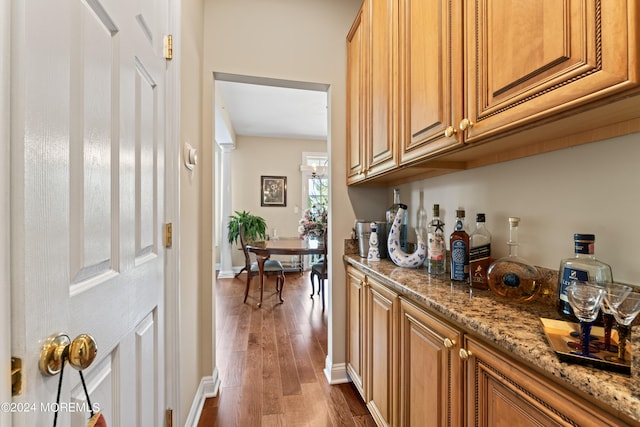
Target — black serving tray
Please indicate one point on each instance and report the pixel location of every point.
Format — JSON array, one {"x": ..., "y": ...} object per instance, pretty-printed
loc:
[{"x": 559, "y": 335}]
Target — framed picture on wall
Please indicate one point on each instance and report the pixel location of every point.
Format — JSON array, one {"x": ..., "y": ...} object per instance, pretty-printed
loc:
[{"x": 273, "y": 191}]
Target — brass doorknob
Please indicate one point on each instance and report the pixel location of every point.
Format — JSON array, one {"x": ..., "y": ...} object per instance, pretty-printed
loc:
[
  {"x": 58, "y": 348},
  {"x": 82, "y": 351},
  {"x": 449, "y": 343}
]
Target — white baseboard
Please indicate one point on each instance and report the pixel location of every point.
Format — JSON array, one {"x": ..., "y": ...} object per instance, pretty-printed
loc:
[
  {"x": 230, "y": 274},
  {"x": 336, "y": 374},
  {"x": 209, "y": 387}
]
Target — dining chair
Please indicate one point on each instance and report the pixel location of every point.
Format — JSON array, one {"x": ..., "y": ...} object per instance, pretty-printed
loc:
[
  {"x": 271, "y": 268},
  {"x": 319, "y": 272}
]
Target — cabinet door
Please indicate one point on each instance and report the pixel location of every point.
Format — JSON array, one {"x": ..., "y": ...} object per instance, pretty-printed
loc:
[
  {"x": 532, "y": 60},
  {"x": 382, "y": 305},
  {"x": 501, "y": 392},
  {"x": 430, "y": 375},
  {"x": 381, "y": 153},
  {"x": 355, "y": 327},
  {"x": 356, "y": 104},
  {"x": 430, "y": 76}
]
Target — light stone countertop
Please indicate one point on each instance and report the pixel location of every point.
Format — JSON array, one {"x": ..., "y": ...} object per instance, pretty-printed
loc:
[{"x": 514, "y": 328}]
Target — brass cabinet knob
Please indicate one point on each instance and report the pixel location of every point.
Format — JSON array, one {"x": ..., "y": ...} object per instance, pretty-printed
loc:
[
  {"x": 58, "y": 348},
  {"x": 465, "y": 124},
  {"x": 449, "y": 131},
  {"x": 464, "y": 354},
  {"x": 448, "y": 343}
]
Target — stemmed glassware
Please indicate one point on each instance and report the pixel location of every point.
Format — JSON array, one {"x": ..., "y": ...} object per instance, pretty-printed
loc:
[
  {"x": 614, "y": 295},
  {"x": 624, "y": 314},
  {"x": 585, "y": 300}
]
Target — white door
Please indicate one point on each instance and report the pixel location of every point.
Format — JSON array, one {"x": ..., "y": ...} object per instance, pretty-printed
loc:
[{"x": 87, "y": 116}]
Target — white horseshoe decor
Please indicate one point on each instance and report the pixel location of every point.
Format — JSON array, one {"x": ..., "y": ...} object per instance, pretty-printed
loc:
[{"x": 397, "y": 255}]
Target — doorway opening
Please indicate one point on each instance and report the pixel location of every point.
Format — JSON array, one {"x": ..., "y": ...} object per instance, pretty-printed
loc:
[{"x": 280, "y": 120}]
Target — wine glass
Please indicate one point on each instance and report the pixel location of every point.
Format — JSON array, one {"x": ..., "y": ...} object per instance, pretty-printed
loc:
[
  {"x": 585, "y": 299},
  {"x": 624, "y": 314},
  {"x": 614, "y": 295}
]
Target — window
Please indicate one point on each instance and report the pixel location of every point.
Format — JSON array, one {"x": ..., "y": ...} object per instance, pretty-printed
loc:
[{"x": 315, "y": 188}]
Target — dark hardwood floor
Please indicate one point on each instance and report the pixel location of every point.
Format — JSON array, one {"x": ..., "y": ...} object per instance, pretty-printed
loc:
[{"x": 271, "y": 361}]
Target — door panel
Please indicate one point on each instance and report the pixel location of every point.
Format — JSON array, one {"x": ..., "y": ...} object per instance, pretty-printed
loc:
[
  {"x": 561, "y": 55},
  {"x": 101, "y": 385},
  {"x": 430, "y": 77},
  {"x": 87, "y": 204}
]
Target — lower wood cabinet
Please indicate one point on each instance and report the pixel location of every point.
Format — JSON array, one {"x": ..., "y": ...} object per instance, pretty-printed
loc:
[
  {"x": 415, "y": 368},
  {"x": 355, "y": 327},
  {"x": 430, "y": 369},
  {"x": 381, "y": 352},
  {"x": 503, "y": 393}
]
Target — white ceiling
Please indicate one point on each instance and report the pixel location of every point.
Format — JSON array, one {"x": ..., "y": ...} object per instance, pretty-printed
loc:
[{"x": 268, "y": 108}]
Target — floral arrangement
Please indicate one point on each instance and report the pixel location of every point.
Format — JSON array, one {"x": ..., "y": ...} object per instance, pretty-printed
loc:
[{"x": 313, "y": 222}]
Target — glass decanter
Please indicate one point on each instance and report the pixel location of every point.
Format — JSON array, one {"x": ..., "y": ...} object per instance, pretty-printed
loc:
[{"x": 513, "y": 277}]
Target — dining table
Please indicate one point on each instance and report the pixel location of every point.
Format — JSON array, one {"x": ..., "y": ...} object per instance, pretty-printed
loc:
[{"x": 282, "y": 246}]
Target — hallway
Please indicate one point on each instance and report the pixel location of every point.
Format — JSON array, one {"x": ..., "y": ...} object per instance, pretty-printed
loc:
[{"x": 271, "y": 361}]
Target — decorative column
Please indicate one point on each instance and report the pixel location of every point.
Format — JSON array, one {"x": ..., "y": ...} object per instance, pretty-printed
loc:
[{"x": 226, "y": 263}]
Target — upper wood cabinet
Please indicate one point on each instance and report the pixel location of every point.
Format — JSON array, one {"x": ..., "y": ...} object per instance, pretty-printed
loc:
[
  {"x": 528, "y": 61},
  {"x": 483, "y": 81},
  {"x": 356, "y": 105},
  {"x": 430, "y": 77},
  {"x": 372, "y": 90}
]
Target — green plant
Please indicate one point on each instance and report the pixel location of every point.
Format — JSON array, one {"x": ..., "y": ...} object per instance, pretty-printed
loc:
[{"x": 253, "y": 227}]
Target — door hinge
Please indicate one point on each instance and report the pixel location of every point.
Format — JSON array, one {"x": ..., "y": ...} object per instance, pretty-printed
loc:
[
  {"x": 168, "y": 47},
  {"x": 168, "y": 418},
  {"x": 168, "y": 235},
  {"x": 16, "y": 376}
]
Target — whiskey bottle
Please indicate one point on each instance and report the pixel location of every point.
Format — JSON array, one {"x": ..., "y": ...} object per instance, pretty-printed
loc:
[
  {"x": 512, "y": 277},
  {"x": 436, "y": 245},
  {"x": 391, "y": 215},
  {"x": 479, "y": 254},
  {"x": 583, "y": 267},
  {"x": 459, "y": 244}
]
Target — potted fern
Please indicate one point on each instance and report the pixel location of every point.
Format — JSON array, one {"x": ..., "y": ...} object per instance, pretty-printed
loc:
[{"x": 254, "y": 227}]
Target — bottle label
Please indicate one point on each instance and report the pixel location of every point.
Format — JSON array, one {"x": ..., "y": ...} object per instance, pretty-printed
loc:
[
  {"x": 570, "y": 275},
  {"x": 458, "y": 226},
  {"x": 478, "y": 273},
  {"x": 480, "y": 252},
  {"x": 459, "y": 264},
  {"x": 436, "y": 247},
  {"x": 583, "y": 247}
]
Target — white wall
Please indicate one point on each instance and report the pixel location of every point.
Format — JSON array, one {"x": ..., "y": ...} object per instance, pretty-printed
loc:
[
  {"x": 591, "y": 188},
  {"x": 301, "y": 40},
  {"x": 196, "y": 355},
  {"x": 254, "y": 157}
]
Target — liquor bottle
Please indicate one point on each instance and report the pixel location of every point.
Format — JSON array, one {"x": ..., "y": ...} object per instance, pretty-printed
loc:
[
  {"x": 479, "y": 254},
  {"x": 391, "y": 215},
  {"x": 512, "y": 277},
  {"x": 436, "y": 246},
  {"x": 459, "y": 244},
  {"x": 583, "y": 267},
  {"x": 421, "y": 217}
]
